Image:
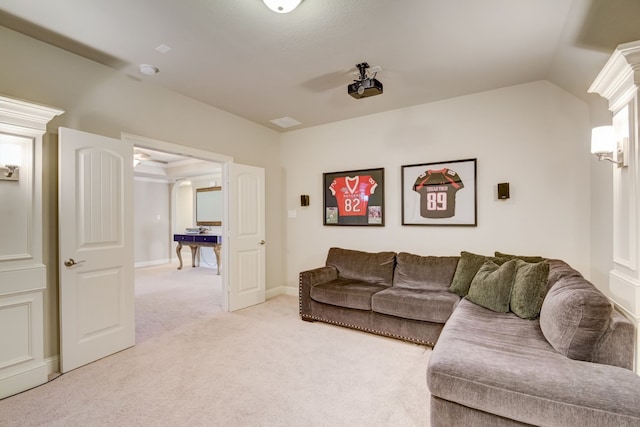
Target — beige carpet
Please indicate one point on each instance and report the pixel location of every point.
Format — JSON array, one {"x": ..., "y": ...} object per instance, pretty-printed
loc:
[
  {"x": 261, "y": 366},
  {"x": 168, "y": 298}
]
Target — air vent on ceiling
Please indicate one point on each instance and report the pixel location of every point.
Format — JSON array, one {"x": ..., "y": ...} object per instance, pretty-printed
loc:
[{"x": 285, "y": 122}]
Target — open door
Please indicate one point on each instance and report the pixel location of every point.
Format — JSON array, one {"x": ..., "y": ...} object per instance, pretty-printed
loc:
[
  {"x": 246, "y": 236},
  {"x": 96, "y": 247}
]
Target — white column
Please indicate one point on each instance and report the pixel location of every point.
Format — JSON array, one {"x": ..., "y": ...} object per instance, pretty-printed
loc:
[
  {"x": 619, "y": 83},
  {"x": 23, "y": 276}
]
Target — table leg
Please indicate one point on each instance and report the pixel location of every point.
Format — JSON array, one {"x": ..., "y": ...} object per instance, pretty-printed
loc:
[
  {"x": 178, "y": 249},
  {"x": 194, "y": 250},
  {"x": 216, "y": 249}
]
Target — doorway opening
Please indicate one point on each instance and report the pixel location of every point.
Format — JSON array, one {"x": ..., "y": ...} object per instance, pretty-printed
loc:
[{"x": 166, "y": 182}]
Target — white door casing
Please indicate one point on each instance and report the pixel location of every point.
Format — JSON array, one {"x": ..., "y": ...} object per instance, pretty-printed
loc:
[
  {"x": 95, "y": 231},
  {"x": 245, "y": 235}
]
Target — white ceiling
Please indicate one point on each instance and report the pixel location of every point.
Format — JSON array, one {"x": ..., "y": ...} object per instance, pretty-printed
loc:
[
  {"x": 170, "y": 167},
  {"x": 239, "y": 56}
]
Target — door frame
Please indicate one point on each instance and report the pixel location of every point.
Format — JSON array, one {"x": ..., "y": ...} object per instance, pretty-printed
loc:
[{"x": 169, "y": 147}]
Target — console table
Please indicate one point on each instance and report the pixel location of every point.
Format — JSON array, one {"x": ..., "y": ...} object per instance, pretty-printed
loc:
[{"x": 195, "y": 241}]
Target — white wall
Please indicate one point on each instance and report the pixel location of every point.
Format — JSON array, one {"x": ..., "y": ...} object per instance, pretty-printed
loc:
[
  {"x": 184, "y": 208},
  {"x": 534, "y": 136},
  {"x": 152, "y": 222}
]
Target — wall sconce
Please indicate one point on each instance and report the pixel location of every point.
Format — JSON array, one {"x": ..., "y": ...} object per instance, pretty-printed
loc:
[
  {"x": 282, "y": 6},
  {"x": 606, "y": 147},
  {"x": 10, "y": 161}
]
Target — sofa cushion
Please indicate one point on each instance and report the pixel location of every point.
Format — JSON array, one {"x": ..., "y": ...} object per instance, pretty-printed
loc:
[
  {"x": 501, "y": 364},
  {"x": 492, "y": 284},
  {"x": 529, "y": 288},
  {"x": 346, "y": 293},
  {"x": 363, "y": 266},
  {"x": 467, "y": 267},
  {"x": 574, "y": 317},
  {"x": 424, "y": 272},
  {"x": 417, "y": 304}
]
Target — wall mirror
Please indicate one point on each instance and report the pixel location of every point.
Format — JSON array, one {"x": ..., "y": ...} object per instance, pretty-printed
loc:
[{"x": 209, "y": 206}]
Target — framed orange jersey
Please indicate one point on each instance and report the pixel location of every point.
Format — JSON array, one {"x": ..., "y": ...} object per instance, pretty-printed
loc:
[{"x": 354, "y": 197}]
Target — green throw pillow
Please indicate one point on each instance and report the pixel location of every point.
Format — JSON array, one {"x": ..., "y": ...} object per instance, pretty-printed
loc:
[
  {"x": 522, "y": 257},
  {"x": 492, "y": 284},
  {"x": 467, "y": 267},
  {"x": 529, "y": 288}
]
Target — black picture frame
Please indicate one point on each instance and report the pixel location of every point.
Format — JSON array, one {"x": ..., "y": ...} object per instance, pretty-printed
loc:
[
  {"x": 354, "y": 198},
  {"x": 440, "y": 193}
]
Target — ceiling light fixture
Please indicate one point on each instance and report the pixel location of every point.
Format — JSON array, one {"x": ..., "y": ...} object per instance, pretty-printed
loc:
[
  {"x": 282, "y": 6},
  {"x": 149, "y": 70}
]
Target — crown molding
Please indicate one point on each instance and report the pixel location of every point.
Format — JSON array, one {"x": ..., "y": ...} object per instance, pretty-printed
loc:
[{"x": 17, "y": 112}]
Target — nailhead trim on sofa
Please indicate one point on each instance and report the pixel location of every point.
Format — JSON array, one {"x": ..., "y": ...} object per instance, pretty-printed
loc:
[{"x": 359, "y": 328}]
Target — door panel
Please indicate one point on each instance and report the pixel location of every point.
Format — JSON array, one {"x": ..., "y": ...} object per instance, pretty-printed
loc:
[
  {"x": 96, "y": 247},
  {"x": 246, "y": 240}
]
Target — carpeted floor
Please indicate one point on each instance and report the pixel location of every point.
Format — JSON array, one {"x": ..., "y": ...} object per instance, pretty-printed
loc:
[{"x": 261, "y": 366}]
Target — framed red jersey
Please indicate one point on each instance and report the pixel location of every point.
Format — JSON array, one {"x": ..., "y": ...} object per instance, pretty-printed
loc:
[
  {"x": 441, "y": 193},
  {"x": 354, "y": 197}
]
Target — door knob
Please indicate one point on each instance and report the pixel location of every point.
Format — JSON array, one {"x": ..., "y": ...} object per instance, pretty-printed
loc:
[
  {"x": 262, "y": 242},
  {"x": 71, "y": 262}
]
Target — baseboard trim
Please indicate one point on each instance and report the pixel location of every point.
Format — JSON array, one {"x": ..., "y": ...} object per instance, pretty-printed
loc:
[
  {"x": 53, "y": 365},
  {"x": 281, "y": 290},
  {"x": 25, "y": 379},
  {"x": 155, "y": 262}
]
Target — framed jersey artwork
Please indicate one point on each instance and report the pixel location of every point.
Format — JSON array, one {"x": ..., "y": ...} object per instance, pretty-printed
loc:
[
  {"x": 441, "y": 193},
  {"x": 354, "y": 197}
]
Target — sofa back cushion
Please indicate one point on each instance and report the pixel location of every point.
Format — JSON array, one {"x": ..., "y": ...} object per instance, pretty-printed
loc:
[
  {"x": 574, "y": 317},
  {"x": 525, "y": 258},
  {"x": 424, "y": 272},
  {"x": 364, "y": 266}
]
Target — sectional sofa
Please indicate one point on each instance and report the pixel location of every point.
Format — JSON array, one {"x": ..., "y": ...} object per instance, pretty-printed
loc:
[{"x": 516, "y": 340}]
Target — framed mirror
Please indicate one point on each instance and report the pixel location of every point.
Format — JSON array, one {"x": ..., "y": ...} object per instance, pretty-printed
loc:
[{"x": 209, "y": 206}]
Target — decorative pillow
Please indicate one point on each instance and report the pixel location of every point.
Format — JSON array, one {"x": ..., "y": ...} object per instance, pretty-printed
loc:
[
  {"x": 522, "y": 257},
  {"x": 492, "y": 284},
  {"x": 467, "y": 267},
  {"x": 529, "y": 288},
  {"x": 574, "y": 316}
]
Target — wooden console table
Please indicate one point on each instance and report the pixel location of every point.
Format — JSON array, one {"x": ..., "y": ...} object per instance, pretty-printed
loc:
[{"x": 195, "y": 241}]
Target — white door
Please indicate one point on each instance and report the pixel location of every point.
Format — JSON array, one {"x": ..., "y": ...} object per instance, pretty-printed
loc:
[
  {"x": 246, "y": 237},
  {"x": 96, "y": 247}
]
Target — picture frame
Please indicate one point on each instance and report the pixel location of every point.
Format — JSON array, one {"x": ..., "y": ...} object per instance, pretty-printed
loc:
[
  {"x": 440, "y": 193},
  {"x": 354, "y": 198}
]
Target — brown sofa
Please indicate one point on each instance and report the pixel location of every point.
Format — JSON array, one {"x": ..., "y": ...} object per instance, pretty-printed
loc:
[
  {"x": 401, "y": 295},
  {"x": 569, "y": 365}
]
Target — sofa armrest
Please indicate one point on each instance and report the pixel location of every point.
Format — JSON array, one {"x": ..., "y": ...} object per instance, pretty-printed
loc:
[
  {"x": 616, "y": 345},
  {"x": 310, "y": 278}
]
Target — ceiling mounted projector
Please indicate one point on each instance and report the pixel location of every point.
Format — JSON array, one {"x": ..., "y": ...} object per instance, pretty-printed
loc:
[{"x": 365, "y": 86}]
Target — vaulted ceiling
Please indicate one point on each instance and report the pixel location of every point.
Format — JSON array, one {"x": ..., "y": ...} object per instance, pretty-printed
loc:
[{"x": 245, "y": 59}]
